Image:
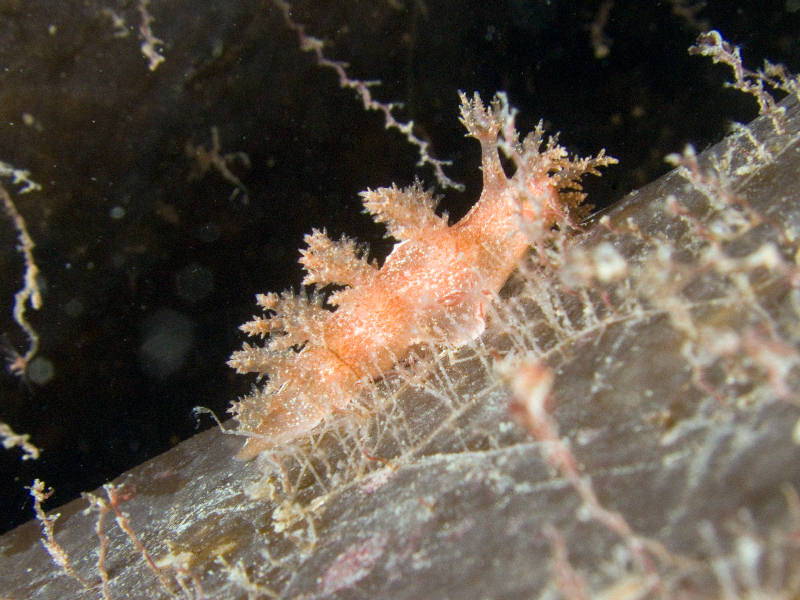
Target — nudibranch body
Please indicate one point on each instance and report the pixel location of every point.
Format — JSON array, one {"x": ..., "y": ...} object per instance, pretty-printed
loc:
[{"x": 434, "y": 287}]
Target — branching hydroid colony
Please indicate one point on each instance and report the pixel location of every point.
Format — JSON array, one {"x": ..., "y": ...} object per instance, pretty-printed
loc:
[{"x": 434, "y": 287}]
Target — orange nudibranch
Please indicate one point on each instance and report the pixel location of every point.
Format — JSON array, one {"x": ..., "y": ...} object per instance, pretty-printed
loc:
[{"x": 434, "y": 287}]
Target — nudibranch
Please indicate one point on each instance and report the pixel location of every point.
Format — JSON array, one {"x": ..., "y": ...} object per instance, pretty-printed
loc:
[{"x": 433, "y": 288}]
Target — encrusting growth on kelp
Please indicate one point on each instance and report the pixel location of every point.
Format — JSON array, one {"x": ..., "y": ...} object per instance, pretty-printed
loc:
[{"x": 433, "y": 288}]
